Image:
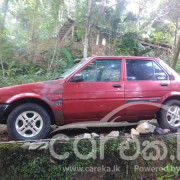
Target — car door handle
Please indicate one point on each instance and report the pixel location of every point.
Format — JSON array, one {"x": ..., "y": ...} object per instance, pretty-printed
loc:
[
  {"x": 164, "y": 84},
  {"x": 116, "y": 85}
]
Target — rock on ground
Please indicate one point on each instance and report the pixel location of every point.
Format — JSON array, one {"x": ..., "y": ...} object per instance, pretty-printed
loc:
[
  {"x": 87, "y": 136},
  {"x": 26, "y": 145},
  {"x": 101, "y": 135},
  {"x": 94, "y": 135},
  {"x": 145, "y": 128},
  {"x": 39, "y": 146},
  {"x": 127, "y": 135},
  {"x": 3, "y": 129},
  {"x": 113, "y": 134},
  {"x": 160, "y": 131},
  {"x": 134, "y": 132},
  {"x": 45, "y": 146}
]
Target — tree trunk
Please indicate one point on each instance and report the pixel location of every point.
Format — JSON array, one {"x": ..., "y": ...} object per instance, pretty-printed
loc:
[
  {"x": 2, "y": 66},
  {"x": 4, "y": 10},
  {"x": 176, "y": 31},
  {"x": 86, "y": 45},
  {"x": 138, "y": 17},
  {"x": 34, "y": 28},
  {"x": 88, "y": 26},
  {"x": 176, "y": 54}
]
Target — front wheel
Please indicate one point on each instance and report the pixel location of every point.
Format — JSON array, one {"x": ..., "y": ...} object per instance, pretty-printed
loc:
[
  {"x": 169, "y": 116},
  {"x": 28, "y": 122}
]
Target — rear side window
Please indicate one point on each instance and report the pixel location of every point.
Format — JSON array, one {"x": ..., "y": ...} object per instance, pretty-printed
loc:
[
  {"x": 103, "y": 71},
  {"x": 144, "y": 70}
]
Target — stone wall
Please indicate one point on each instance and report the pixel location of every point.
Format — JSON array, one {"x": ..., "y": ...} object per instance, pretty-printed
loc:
[{"x": 19, "y": 161}]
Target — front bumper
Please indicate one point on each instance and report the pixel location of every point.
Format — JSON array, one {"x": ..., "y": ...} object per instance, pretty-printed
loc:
[{"x": 2, "y": 111}]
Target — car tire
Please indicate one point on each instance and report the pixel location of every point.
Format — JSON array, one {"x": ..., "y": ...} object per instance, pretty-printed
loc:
[
  {"x": 28, "y": 121},
  {"x": 169, "y": 116}
]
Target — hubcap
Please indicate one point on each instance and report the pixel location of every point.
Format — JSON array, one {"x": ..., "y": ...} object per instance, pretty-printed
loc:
[
  {"x": 173, "y": 116},
  {"x": 29, "y": 124}
]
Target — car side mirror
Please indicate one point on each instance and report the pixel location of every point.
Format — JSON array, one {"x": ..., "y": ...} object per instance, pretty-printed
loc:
[{"x": 77, "y": 78}]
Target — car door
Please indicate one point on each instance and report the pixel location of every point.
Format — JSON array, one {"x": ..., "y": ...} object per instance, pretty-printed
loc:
[
  {"x": 101, "y": 91},
  {"x": 145, "y": 81}
]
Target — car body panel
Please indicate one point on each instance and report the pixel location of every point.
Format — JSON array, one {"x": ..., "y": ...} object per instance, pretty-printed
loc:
[
  {"x": 49, "y": 92},
  {"x": 87, "y": 101}
]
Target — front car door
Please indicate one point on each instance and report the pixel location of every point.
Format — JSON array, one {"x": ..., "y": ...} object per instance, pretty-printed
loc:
[
  {"x": 145, "y": 81},
  {"x": 101, "y": 91}
]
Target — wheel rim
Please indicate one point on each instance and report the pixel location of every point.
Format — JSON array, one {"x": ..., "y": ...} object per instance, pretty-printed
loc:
[
  {"x": 29, "y": 124},
  {"x": 173, "y": 116}
]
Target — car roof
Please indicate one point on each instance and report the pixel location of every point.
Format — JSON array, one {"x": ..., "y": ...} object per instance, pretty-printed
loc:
[{"x": 126, "y": 57}]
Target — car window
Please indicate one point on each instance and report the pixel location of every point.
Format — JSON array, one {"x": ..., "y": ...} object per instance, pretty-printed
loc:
[
  {"x": 76, "y": 66},
  {"x": 159, "y": 73},
  {"x": 143, "y": 70},
  {"x": 103, "y": 71}
]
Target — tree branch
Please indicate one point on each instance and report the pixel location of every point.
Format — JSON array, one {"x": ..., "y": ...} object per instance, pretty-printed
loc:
[{"x": 98, "y": 18}]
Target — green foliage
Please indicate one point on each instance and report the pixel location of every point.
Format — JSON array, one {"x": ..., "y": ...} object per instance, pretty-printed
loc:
[
  {"x": 21, "y": 73},
  {"x": 171, "y": 172},
  {"x": 7, "y": 45},
  {"x": 157, "y": 35},
  {"x": 118, "y": 24},
  {"x": 38, "y": 165},
  {"x": 129, "y": 45},
  {"x": 26, "y": 72},
  {"x": 17, "y": 163},
  {"x": 68, "y": 56}
]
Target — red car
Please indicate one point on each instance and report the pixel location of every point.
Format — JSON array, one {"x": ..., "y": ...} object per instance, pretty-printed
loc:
[{"x": 98, "y": 89}]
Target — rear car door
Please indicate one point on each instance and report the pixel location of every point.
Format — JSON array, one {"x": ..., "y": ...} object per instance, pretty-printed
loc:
[
  {"x": 145, "y": 81},
  {"x": 101, "y": 91}
]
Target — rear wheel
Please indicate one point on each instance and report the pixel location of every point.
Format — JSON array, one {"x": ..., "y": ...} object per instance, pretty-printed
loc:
[
  {"x": 28, "y": 122},
  {"x": 169, "y": 117}
]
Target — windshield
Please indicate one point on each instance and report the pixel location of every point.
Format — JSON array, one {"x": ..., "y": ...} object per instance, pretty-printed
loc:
[{"x": 69, "y": 71}]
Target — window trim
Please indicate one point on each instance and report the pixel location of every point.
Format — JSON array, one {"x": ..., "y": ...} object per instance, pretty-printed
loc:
[{"x": 152, "y": 60}]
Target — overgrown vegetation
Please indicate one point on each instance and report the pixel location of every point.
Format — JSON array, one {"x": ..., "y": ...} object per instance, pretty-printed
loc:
[
  {"x": 30, "y": 49},
  {"x": 17, "y": 163}
]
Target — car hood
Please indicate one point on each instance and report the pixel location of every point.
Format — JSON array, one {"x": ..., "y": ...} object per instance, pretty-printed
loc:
[{"x": 51, "y": 90}]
